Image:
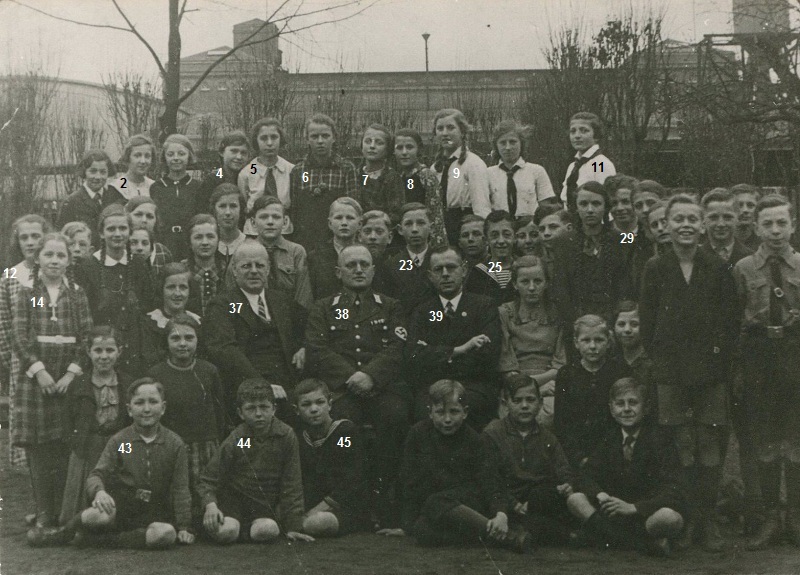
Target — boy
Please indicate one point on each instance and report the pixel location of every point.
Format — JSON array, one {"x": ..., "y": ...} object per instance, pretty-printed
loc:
[
  {"x": 251, "y": 488},
  {"x": 531, "y": 463},
  {"x": 620, "y": 190},
  {"x": 405, "y": 270},
  {"x": 628, "y": 494},
  {"x": 375, "y": 233},
  {"x": 720, "y": 214},
  {"x": 317, "y": 180},
  {"x": 553, "y": 222},
  {"x": 332, "y": 461},
  {"x": 233, "y": 152},
  {"x": 585, "y": 131},
  {"x": 746, "y": 197},
  {"x": 472, "y": 240},
  {"x": 492, "y": 277},
  {"x": 344, "y": 220},
  {"x": 288, "y": 266},
  {"x": 767, "y": 283},
  {"x": 646, "y": 194},
  {"x": 688, "y": 314},
  {"x": 140, "y": 485},
  {"x": 449, "y": 483}
]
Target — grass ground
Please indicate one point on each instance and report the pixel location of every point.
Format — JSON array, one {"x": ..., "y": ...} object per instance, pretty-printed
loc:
[{"x": 363, "y": 554}]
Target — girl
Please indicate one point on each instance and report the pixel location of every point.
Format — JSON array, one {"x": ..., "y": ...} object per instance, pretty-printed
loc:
[
  {"x": 226, "y": 207},
  {"x": 381, "y": 188},
  {"x": 51, "y": 318},
  {"x": 580, "y": 407},
  {"x": 532, "y": 335},
  {"x": 174, "y": 194},
  {"x": 493, "y": 277},
  {"x": 515, "y": 185},
  {"x": 95, "y": 411},
  {"x": 419, "y": 183},
  {"x": 175, "y": 292},
  {"x": 464, "y": 182},
  {"x": 205, "y": 263},
  {"x": 320, "y": 178},
  {"x": 26, "y": 240},
  {"x": 526, "y": 234},
  {"x": 119, "y": 287},
  {"x": 590, "y": 165},
  {"x": 144, "y": 215},
  {"x": 590, "y": 268},
  {"x": 193, "y": 392},
  {"x": 268, "y": 173},
  {"x": 80, "y": 238},
  {"x": 86, "y": 203},
  {"x": 138, "y": 156}
]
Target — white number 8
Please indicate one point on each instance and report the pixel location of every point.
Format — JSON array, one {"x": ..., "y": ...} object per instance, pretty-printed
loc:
[{"x": 410, "y": 184}]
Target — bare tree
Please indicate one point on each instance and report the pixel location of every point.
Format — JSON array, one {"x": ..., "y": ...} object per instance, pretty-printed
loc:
[
  {"x": 134, "y": 104},
  {"x": 248, "y": 99},
  {"x": 289, "y": 18}
]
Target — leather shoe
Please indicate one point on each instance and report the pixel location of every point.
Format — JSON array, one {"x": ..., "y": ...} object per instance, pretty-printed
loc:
[{"x": 766, "y": 534}]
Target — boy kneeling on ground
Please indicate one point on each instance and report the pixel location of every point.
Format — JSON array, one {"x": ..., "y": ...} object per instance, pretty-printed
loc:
[{"x": 628, "y": 494}]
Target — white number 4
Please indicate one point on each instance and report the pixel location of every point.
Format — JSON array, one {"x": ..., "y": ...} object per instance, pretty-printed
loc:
[
  {"x": 244, "y": 442},
  {"x": 124, "y": 448},
  {"x": 344, "y": 441}
]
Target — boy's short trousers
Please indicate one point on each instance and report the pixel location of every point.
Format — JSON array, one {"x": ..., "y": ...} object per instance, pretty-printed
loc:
[
  {"x": 133, "y": 512},
  {"x": 699, "y": 444},
  {"x": 244, "y": 509}
]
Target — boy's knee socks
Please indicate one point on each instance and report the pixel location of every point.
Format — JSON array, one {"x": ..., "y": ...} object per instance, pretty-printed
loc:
[
  {"x": 770, "y": 478},
  {"x": 467, "y": 521}
]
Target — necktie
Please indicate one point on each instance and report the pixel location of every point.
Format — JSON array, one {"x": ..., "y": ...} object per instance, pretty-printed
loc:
[
  {"x": 572, "y": 183},
  {"x": 449, "y": 310},
  {"x": 627, "y": 447},
  {"x": 776, "y": 295},
  {"x": 262, "y": 309},
  {"x": 723, "y": 253},
  {"x": 511, "y": 188},
  {"x": 270, "y": 185},
  {"x": 445, "y": 176},
  {"x": 273, "y": 266},
  {"x": 99, "y": 198},
  {"x": 416, "y": 261}
]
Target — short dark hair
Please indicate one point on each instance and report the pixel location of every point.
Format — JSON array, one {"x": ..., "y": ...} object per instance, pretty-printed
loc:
[
  {"x": 254, "y": 389},
  {"x": 594, "y": 121},
  {"x": 525, "y": 221},
  {"x": 650, "y": 186},
  {"x": 625, "y": 306},
  {"x": 545, "y": 210},
  {"x": 443, "y": 249},
  {"x": 173, "y": 269},
  {"x": 267, "y": 122},
  {"x": 717, "y": 195},
  {"x": 92, "y": 156},
  {"x": 513, "y": 383},
  {"x": 619, "y": 182},
  {"x": 310, "y": 385},
  {"x": 183, "y": 318},
  {"x": 262, "y": 202},
  {"x": 470, "y": 219},
  {"x": 745, "y": 189},
  {"x": 772, "y": 201},
  {"x": 133, "y": 387},
  {"x": 234, "y": 138},
  {"x": 102, "y": 331},
  {"x": 495, "y": 217},
  {"x": 413, "y": 206},
  {"x": 681, "y": 199},
  {"x": 595, "y": 188}
]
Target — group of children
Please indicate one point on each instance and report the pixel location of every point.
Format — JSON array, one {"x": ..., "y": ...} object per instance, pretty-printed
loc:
[{"x": 623, "y": 331}]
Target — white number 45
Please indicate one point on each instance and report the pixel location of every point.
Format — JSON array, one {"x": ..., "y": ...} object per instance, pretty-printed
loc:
[{"x": 344, "y": 441}]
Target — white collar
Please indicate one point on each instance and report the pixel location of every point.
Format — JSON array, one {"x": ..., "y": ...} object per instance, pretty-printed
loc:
[
  {"x": 420, "y": 255},
  {"x": 625, "y": 434},
  {"x": 520, "y": 162},
  {"x": 456, "y": 153},
  {"x": 111, "y": 262},
  {"x": 455, "y": 301},
  {"x": 587, "y": 153},
  {"x": 91, "y": 193},
  {"x": 157, "y": 315},
  {"x": 24, "y": 275}
]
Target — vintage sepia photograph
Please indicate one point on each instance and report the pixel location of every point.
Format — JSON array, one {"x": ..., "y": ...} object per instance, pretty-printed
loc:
[{"x": 391, "y": 287}]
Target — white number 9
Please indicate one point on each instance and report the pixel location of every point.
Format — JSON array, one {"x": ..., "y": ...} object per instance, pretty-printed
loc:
[{"x": 456, "y": 173}]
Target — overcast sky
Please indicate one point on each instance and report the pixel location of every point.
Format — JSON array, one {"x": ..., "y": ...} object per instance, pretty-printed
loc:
[{"x": 465, "y": 34}]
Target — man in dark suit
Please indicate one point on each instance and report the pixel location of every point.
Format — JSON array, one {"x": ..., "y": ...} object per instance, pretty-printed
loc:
[
  {"x": 455, "y": 335},
  {"x": 355, "y": 344},
  {"x": 629, "y": 493},
  {"x": 250, "y": 331}
]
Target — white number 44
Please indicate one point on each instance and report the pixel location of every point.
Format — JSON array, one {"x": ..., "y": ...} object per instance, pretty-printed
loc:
[
  {"x": 244, "y": 442},
  {"x": 344, "y": 441}
]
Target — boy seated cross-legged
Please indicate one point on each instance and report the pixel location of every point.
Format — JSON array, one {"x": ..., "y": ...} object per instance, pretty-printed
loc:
[
  {"x": 251, "y": 489},
  {"x": 140, "y": 485},
  {"x": 531, "y": 463},
  {"x": 629, "y": 493}
]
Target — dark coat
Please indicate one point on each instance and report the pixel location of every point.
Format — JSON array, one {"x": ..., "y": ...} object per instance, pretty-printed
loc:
[
  {"x": 371, "y": 339},
  {"x": 478, "y": 281},
  {"x": 79, "y": 207},
  {"x": 739, "y": 251},
  {"x": 81, "y": 422},
  {"x": 650, "y": 480},
  {"x": 322, "y": 271},
  {"x": 231, "y": 337},
  {"x": 688, "y": 330},
  {"x": 429, "y": 353},
  {"x": 410, "y": 286}
]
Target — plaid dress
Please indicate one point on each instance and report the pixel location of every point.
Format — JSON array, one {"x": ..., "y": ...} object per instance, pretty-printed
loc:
[
  {"x": 40, "y": 418},
  {"x": 9, "y": 289},
  {"x": 313, "y": 187}
]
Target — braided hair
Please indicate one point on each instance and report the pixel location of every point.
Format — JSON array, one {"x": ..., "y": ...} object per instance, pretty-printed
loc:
[
  {"x": 38, "y": 286},
  {"x": 198, "y": 220},
  {"x": 463, "y": 125}
]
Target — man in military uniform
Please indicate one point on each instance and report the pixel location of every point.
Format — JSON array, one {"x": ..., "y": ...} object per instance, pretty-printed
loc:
[{"x": 355, "y": 344}]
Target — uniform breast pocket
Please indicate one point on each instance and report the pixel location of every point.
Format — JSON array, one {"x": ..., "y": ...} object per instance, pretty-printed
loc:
[
  {"x": 792, "y": 288},
  {"x": 757, "y": 293},
  {"x": 382, "y": 333},
  {"x": 340, "y": 330}
]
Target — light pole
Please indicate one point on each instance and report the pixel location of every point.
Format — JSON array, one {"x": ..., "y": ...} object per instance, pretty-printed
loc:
[{"x": 425, "y": 37}]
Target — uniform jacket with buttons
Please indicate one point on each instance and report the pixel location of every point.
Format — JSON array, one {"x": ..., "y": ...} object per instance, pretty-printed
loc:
[
  {"x": 231, "y": 338},
  {"x": 369, "y": 339},
  {"x": 753, "y": 279},
  {"x": 322, "y": 264}
]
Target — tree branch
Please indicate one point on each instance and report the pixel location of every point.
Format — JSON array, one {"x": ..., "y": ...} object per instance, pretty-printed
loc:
[
  {"x": 132, "y": 29},
  {"x": 62, "y": 19}
]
